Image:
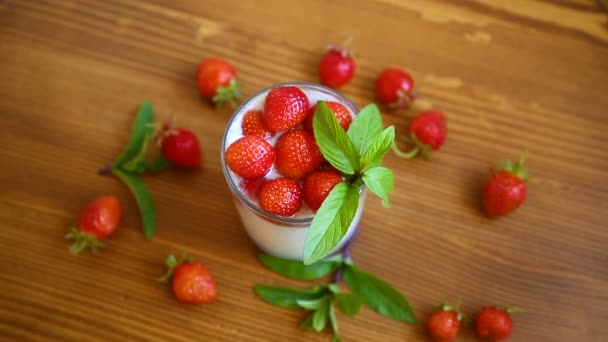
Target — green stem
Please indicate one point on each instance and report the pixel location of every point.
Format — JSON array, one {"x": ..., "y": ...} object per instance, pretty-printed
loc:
[{"x": 406, "y": 155}]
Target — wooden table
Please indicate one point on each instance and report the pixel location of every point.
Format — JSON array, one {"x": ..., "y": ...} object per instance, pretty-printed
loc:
[{"x": 511, "y": 76}]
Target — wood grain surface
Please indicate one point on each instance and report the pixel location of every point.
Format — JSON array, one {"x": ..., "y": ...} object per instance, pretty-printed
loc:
[{"x": 511, "y": 76}]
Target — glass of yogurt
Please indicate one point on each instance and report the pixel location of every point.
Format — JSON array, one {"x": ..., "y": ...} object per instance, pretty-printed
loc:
[{"x": 279, "y": 236}]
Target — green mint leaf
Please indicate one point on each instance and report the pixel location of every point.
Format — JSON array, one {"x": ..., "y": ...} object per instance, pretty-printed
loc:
[
  {"x": 311, "y": 304},
  {"x": 333, "y": 141},
  {"x": 378, "y": 149},
  {"x": 330, "y": 223},
  {"x": 378, "y": 295},
  {"x": 319, "y": 318},
  {"x": 335, "y": 339},
  {"x": 297, "y": 269},
  {"x": 331, "y": 312},
  {"x": 142, "y": 128},
  {"x": 380, "y": 181},
  {"x": 142, "y": 197},
  {"x": 333, "y": 288},
  {"x": 286, "y": 297},
  {"x": 348, "y": 303},
  {"x": 364, "y": 129}
]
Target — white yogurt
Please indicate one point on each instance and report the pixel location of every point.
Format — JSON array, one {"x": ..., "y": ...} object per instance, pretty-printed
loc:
[{"x": 283, "y": 237}]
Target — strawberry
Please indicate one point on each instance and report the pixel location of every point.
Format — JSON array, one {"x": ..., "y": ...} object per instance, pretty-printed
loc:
[
  {"x": 181, "y": 147},
  {"x": 253, "y": 124},
  {"x": 297, "y": 154},
  {"x": 428, "y": 131},
  {"x": 217, "y": 80},
  {"x": 341, "y": 113},
  {"x": 280, "y": 197},
  {"x": 98, "y": 219},
  {"x": 337, "y": 67},
  {"x": 395, "y": 87},
  {"x": 285, "y": 107},
  {"x": 250, "y": 157},
  {"x": 494, "y": 324},
  {"x": 251, "y": 187},
  {"x": 506, "y": 189},
  {"x": 318, "y": 185},
  {"x": 444, "y": 325},
  {"x": 191, "y": 281}
]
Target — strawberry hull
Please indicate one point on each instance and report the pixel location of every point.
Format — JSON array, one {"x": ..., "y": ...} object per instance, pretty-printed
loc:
[{"x": 283, "y": 237}]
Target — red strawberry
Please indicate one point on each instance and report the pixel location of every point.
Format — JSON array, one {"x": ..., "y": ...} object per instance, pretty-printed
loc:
[
  {"x": 191, "y": 281},
  {"x": 297, "y": 154},
  {"x": 337, "y": 67},
  {"x": 250, "y": 157},
  {"x": 505, "y": 190},
  {"x": 428, "y": 131},
  {"x": 395, "y": 87},
  {"x": 342, "y": 114},
  {"x": 280, "y": 197},
  {"x": 318, "y": 185},
  {"x": 253, "y": 124},
  {"x": 217, "y": 80},
  {"x": 181, "y": 147},
  {"x": 251, "y": 187},
  {"x": 444, "y": 325},
  {"x": 494, "y": 324},
  {"x": 285, "y": 108},
  {"x": 98, "y": 219}
]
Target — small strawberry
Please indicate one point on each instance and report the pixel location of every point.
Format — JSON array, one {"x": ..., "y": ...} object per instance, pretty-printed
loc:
[
  {"x": 217, "y": 80},
  {"x": 181, "y": 148},
  {"x": 428, "y": 131},
  {"x": 395, "y": 87},
  {"x": 250, "y": 157},
  {"x": 191, "y": 281},
  {"x": 253, "y": 124},
  {"x": 506, "y": 189},
  {"x": 285, "y": 107},
  {"x": 337, "y": 66},
  {"x": 297, "y": 154},
  {"x": 98, "y": 219},
  {"x": 280, "y": 197},
  {"x": 251, "y": 187},
  {"x": 494, "y": 324},
  {"x": 444, "y": 325},
  {"x": 342, "y": 114},
  {"x": 318, "y": 185}
]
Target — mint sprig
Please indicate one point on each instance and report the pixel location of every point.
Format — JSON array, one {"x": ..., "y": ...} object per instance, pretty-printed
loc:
[{"x": 357, "y": 154}]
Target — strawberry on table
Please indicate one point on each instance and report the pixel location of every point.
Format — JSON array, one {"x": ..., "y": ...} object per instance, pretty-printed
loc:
[
  {"x": 340, "y": 111},
  {"x": 280, "y": 197},
  {"x": 395, "y": 87},
  {"x": 297, "y": 154},
  {"x": 98, "y": 219},
  {"x": 253, "y": 124},
  {"x": 444, "y": 325},
  {"x": 318, "y": 185},
  {"x": 191, "y": 281},
  {"x": 217, "y": 81},
  {"x": 285, "y": 107},
  {"x": 427, "y": 131},
  {"x": 506, "y": 189},
  {"x": 250, "y": 157},
  {"x": 494, "y": 324},
  {"x": 182, "y": 148},
  {"x": 337, "y": 66}
]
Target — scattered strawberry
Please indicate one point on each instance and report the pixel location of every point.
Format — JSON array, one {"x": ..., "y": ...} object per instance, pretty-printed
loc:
[
  {"x": 342, "y": 114},
  {"x": 444, "y": 325},
  {"x": 280, "y": 197},
  {"x": 506, "y": 189},
  {"x": 337, "y": 67},
  {"x": 98, "y": 219},
  {"x": 250, "y": 157},
  {"x": 217, "y": 80},
  {"x": 395, "y": 87},
  {"x": 494, "y": 324},
  {"x": 285, "y": 108},
  {"x": 297, "y": 154},
  {"x": 428, "y": 131},
  {"x": 181, "y": 148},
  {"x": 253, "y": 124},
  {"x": 318, "y": 185},
  {"x": 191, "y": 281},
  {"x": 251, "y": 187}
]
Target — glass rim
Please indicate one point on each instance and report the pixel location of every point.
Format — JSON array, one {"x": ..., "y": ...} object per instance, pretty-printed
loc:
[{"x": 229, "y": 179}]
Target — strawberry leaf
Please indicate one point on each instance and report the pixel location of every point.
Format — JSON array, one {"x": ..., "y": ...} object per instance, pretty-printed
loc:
[
  {"x": 378, "y": 149},
  {"x": 333, "y": 141},
  {"x": 286, "y": 297},
  {"x": 143, "y": 199},
  {"x": 331, "y": 222},
  {"x": 364, "y": 129},
  {"x": 142, "y": 128},
  {"x": 297, "y": 270},
  {"x": 378, "y": 295},
  {"x": 380, "y": 181},
  {"x": 348, "y": 303}
]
